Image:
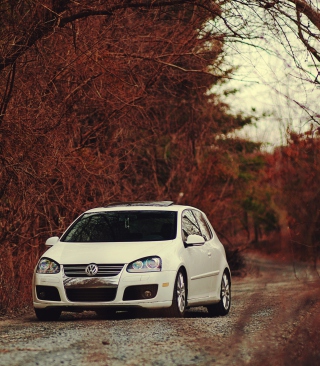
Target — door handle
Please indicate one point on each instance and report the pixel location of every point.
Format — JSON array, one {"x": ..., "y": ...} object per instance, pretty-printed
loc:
[{"x": 209, "y": 254}]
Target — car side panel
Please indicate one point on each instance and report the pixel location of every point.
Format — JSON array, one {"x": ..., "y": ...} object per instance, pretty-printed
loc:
[{"x": 199, "y": 270}]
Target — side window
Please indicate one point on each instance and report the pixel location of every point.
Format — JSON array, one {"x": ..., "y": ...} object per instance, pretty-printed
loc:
[
  {"x": 189, "y": 224},
  {"x": 204, "y": 227}
]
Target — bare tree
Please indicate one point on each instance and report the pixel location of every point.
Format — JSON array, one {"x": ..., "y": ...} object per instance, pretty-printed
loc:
[
  {"x": 246, "y": 20},
  {"x": 26, "y": 23}
]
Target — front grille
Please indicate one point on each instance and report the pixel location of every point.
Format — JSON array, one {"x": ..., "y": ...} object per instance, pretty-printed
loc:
[
  {"x": 104, "y": 270},
  {"x": 91, "y": 294}
]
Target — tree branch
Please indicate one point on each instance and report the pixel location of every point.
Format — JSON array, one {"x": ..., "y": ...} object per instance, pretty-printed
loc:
[{"x": 312, "y": 50}]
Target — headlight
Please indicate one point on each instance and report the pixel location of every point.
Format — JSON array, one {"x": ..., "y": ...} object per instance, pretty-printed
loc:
[
  {"x": 149, "y": 264},
  {"x": 48, "y": 266}
]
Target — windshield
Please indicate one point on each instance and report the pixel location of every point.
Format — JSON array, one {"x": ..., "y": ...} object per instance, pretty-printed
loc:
[{"x": 123, "y": 226}]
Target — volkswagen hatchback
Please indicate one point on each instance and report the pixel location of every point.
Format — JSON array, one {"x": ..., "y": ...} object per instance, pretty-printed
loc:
[{"x": 145, "y": 255}]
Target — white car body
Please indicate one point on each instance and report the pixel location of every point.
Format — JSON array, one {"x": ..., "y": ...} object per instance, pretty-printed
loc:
[{"x": 203, "y": 265}]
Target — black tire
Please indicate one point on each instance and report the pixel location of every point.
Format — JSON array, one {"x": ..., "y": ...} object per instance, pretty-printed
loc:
[
  {"x": 179, "y": 299},
  {"x": 223, "y": 306},
  {"x": 48, "y": 314}
]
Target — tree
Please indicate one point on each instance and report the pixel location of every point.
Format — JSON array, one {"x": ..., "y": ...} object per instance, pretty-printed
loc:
[
  {"x": 230, "y": 186},
  {"x": 296, "y": 174},
  {"x": 24, "y": 24},
  {"x": 284, "y": 20}
]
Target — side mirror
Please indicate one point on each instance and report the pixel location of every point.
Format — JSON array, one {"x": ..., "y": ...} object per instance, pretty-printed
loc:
[
  {"x": 52, "y": 241},
  {"x": 194, "y": 240}
]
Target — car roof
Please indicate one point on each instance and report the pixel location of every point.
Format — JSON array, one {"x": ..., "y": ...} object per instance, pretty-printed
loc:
[{"x": 141, "y": 205}]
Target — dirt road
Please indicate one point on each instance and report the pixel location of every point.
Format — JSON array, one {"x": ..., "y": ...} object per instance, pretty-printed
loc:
[{"x": 274, "y": 320}]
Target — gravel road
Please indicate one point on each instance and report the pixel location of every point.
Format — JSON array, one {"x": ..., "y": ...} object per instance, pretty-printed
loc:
[{"x": 274, "y": 320}]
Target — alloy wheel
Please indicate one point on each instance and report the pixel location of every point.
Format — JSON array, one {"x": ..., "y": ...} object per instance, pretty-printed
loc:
[
  {"x": 181, "y": 293},
  {"x": 225, "y": 291}
]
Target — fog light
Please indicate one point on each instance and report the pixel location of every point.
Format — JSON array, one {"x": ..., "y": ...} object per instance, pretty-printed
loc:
[
  {"x": 147, "y": 294},
  {"x": 47, "y": 293},
  {"x": 140, "y": 292}
]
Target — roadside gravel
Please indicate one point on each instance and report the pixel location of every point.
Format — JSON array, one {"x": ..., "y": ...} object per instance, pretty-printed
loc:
[{"x": 274, "y": 320}]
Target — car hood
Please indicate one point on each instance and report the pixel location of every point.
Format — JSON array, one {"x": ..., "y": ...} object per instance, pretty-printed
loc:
[{"x": 120, "y": 253}]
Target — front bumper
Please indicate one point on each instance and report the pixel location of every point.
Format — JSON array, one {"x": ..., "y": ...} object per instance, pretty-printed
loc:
[{"x": 57, "y": 290}]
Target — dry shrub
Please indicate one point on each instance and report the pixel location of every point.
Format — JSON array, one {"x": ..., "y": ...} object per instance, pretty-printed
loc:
[{"x": 16, "y": 266}]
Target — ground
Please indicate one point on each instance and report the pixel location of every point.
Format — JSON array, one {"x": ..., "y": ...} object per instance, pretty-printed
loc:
[{"x": 274, "y": 320}]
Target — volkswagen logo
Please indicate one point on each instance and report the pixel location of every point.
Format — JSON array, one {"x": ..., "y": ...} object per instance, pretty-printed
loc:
[{"x": 92, "y": 269}]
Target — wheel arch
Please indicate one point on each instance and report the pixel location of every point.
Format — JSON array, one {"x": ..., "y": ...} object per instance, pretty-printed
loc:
[{"x": 228, "y": 272}]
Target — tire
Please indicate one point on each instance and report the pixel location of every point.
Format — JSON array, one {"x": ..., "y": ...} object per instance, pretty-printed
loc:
[
  {"x": 47, "y": 314},
  {"x": 179, "y": 299},
  {"x": 223, "y": 306}
]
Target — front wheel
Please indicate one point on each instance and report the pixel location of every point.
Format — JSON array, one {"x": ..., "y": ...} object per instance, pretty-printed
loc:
[
  {"x": 47, "y": 314},
  {"x": 179, "y": 300},
  {"x": 223, "y": 306}
]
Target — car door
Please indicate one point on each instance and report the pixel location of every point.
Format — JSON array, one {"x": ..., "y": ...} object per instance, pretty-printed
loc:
[
  {"x": 212, "y": 248},
  {"x": 198, "y": 260}
]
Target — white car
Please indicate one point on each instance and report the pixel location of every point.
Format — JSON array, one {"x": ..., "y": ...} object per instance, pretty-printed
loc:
[{"x": 151, "y": 255}]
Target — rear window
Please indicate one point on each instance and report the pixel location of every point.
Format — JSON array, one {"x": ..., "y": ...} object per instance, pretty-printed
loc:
[{"x": 123, "y": 226}]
